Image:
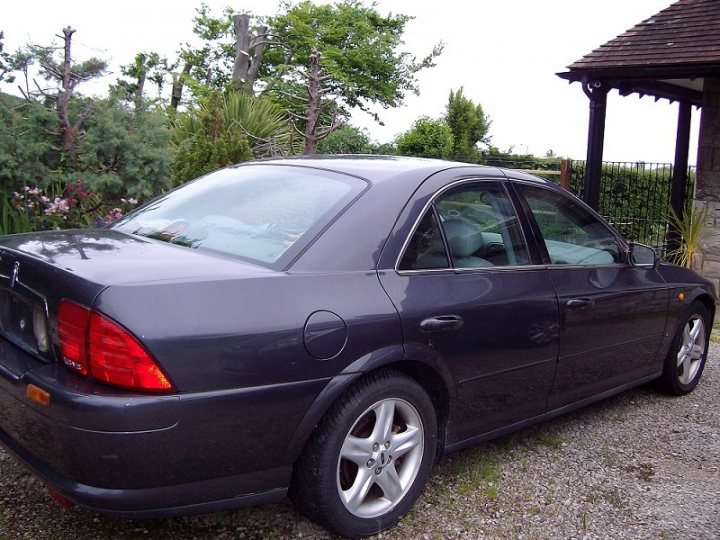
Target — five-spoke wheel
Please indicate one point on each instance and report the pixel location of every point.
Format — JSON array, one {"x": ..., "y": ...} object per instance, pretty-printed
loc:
[
  {"x": 368, "y": 460},
  {"x": 380, "y": 458},
  {"x": 686, "y": 359}
]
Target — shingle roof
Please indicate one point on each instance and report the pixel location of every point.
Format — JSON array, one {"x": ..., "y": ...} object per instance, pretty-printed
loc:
[{"x": 685, "y": 33}]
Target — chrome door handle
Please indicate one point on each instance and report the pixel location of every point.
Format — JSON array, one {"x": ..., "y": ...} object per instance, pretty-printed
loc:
[
  {"x": 441, "y": 323},
  {"x": 580, "y": 302}
]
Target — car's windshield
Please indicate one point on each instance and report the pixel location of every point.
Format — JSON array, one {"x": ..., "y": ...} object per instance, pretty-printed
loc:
[{"x": 262, "y": 213}]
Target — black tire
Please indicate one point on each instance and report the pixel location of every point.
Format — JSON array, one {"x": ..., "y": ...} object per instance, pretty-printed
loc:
[
  {"x": 679, "y": 378},
  {"x": 322, "y": 479}
]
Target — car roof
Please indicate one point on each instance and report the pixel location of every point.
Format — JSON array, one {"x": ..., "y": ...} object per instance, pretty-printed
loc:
[{"x": 378, "y": 169}]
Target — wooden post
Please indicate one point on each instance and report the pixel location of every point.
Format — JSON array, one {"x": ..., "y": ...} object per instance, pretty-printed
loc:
[
  {"x": 597, "y": 92},
  {"x": 565, "y": 169},
  {"x": 680, "y": 169}
]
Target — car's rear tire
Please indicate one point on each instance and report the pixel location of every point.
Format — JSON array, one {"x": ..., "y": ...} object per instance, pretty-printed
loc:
[
  {"x": 686, "y": 358},
  {"x": 369, "y": 458}
]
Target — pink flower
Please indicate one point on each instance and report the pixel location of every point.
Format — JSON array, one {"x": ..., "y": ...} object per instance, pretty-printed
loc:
[
  {"x": 113, "y": 215},
  {"x": 57, "y": 207}
]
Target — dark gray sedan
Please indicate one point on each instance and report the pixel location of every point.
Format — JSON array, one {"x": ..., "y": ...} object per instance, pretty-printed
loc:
[{"x": 324, "y": 328}]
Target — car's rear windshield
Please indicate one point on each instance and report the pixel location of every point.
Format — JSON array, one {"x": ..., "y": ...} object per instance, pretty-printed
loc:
[{"x": 262, "y": 213}]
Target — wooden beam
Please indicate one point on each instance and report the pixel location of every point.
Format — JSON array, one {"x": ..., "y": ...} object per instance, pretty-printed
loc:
[{"x": 597, "y": 92}]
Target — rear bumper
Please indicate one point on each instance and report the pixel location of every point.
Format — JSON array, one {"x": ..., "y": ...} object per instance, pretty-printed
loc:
[
  {"x": 143, "y": 456},
  {"x": 182, "y": 499}
]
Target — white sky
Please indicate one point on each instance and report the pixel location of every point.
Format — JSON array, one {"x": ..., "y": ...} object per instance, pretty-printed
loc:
[{"x": 505, "y": 54}]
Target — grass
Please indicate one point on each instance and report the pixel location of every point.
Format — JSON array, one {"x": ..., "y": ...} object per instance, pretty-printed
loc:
[
  {"x": 478, "y": 473},
  {"x": 715, "y": 334},
  {"x": 645, "y": 471},
  {"x": 549, "y": 439}
]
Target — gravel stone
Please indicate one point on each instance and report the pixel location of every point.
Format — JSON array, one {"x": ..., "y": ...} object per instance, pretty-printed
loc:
[{"x": 637, "y": 466}]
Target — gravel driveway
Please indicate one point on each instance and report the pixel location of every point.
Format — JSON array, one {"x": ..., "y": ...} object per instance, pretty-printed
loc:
[{"x": 636, "y": 466}]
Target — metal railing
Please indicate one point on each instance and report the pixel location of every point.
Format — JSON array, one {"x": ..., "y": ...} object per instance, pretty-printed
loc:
[{"x": 634, "y": 196}]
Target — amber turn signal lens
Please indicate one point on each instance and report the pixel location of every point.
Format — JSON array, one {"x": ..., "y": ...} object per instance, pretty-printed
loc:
[
  {"x": 681, "y": 296},
  {"x": 38, "y": 395}
]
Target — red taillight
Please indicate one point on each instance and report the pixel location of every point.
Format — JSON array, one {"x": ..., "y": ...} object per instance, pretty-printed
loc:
[
  {"x": 106, "y": 351},
  {"x": 73, "y": 322}
]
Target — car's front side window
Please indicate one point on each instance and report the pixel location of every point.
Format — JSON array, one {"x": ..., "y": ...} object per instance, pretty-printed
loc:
[
  {"x": 572, "y": 235},
  {"x": 478, "y": 227}
]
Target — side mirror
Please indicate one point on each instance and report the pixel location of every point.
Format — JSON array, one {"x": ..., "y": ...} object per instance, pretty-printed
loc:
[{"x": 642, "y": 256}]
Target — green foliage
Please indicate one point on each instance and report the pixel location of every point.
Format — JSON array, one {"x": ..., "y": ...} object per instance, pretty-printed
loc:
[
  {"x": 257, "y": 119},
  {"x": 122, "y": 155},
  {"x": 507, "y": 158},
  {"x": 346, "y": 140},
  {"x": 427, "y": 138},
  {"x": 59, "y": 206},
  {"x": 5, "y": 62},
  {"x": 385, "y": 149},
  {"x": 210, "y": 139},
  {"x": 468, "y": 124},
  {"x": 358, "y": 47},
  {"x": 211, "y": 57},
  {"x": 29, "y": 153},
  {"x": 125, "y": 154},
  {"x": 146, "y": 67}
]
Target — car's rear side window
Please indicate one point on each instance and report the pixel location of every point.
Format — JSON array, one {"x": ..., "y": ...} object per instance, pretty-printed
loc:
[
  {"x": 478, "y": 228},
  {"x": 262, "y": 213}
]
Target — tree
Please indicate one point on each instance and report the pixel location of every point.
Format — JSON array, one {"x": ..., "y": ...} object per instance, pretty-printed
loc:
[
  {"x": 426, "y": 138},
  {"x": 227, "y": 53},
  {"x": 64, "y": 75},
  {"x": 343, "y": 56},
  {"x": 249, "y": 51},
  {"x": 469, "y": 126},
  {"x": 346, "y": 140},
  {"x": 147, "y": 66},
  {"x": 258, "y": 119},
  {"x": 124, "y": 153},
  {"x": 5, "y": 65},
  {"x": 215, "y": 140},
  {"x": 29, "y": 153}
]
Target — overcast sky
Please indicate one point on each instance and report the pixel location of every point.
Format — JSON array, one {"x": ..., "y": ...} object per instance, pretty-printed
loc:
[{"x": 505, "y": 54}]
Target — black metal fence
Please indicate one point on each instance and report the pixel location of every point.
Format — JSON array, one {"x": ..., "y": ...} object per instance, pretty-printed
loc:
[{"x": 635, "y": 198}]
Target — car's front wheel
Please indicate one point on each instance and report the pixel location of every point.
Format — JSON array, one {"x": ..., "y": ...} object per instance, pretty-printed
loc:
[
  {"x": 688, "y": 352},
  {"x": 368, "y": 460}
]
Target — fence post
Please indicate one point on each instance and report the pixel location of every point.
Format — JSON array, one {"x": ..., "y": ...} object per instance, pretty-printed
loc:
[{"x": 565, "y": 167}]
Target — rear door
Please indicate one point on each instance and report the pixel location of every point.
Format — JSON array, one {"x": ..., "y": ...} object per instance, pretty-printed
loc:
[
  {"x": 612, "y": 313},
  {"x": 468, "y": 295}
]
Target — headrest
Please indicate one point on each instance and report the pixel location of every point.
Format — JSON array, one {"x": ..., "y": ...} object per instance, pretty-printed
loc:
[{"x": 464, "y": 239}]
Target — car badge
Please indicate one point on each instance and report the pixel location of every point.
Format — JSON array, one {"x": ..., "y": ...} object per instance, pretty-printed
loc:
[{"x": 13, "y": 278}]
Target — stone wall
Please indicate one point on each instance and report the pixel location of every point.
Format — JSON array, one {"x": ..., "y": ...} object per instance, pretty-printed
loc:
[{"x": 707, "y": 190}]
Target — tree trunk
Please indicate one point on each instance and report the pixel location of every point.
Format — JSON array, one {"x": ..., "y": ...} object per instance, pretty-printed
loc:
[
  {"x": 249, "y": 51},
  {"x": 68, "y": 134},
  {"x": 139, "y": 102},
  {"x": 177, "y": 87},
  {"x": 312, "y": 113}
]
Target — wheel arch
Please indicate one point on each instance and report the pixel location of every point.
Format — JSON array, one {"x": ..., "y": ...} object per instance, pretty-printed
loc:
[
  {"x": 432, "y": 375},
  {"x": 706, "y": 300}
]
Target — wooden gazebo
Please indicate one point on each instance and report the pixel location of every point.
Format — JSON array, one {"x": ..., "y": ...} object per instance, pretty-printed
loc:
[{"x": 673, "y": 55}]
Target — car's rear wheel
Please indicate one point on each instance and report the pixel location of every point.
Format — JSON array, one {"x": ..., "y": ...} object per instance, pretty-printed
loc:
[
  {"x": 686, "y": 359},
  {"x": 369, "y": 458}
]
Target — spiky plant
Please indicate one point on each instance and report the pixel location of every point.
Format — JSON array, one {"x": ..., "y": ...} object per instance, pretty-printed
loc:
[{"x": 690, "y": 228}]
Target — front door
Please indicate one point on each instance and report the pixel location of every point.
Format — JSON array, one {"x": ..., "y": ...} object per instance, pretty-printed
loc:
[
  {"x": 468, "y": 295},
  {"x": 612, "y": 313}
]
